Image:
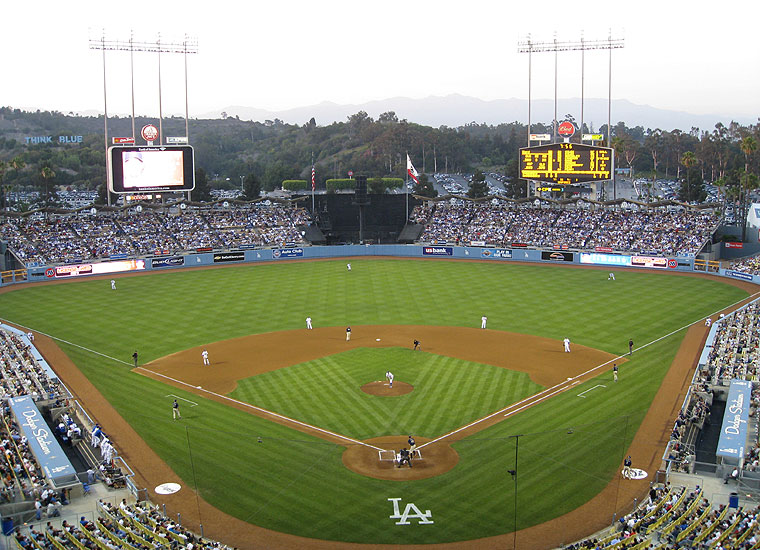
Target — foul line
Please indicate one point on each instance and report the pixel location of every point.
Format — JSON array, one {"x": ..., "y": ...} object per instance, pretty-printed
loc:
[
  {"x": 270, "y": 413},
  {"x": 75, "y": 345},
  {"x": 557, "y": 388}
]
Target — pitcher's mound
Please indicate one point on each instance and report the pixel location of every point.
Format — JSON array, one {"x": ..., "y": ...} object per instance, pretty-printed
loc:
[
  {"x": 382, "y": 388},
  {"x": 437, "y": 458}
]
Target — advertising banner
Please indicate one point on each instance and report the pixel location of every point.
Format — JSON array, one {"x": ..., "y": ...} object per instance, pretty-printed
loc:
[
  {"x": 649, "y": 261},
  {"x": 733, "y": 431},
  {"x": 94, "y": 269},
  {"x": 734, "y": 245},
  {"x": 280, "y": 253},
  {"x": 229, "y": 257},
  {"x": 605, "y": 259},
  {"x": 556, "y": 256},
  {"x": 438, "y": 251},
  {"x": 175, "y": 261},
  {"x": 496, "y": 253},
  {"x": 739, "y": 275}
]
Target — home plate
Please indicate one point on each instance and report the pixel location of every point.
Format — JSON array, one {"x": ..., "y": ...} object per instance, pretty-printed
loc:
[{"x": 377, "y": 339}]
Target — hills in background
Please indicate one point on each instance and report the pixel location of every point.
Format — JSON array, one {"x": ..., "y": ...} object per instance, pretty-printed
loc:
[{"x": 457, "y": 110}]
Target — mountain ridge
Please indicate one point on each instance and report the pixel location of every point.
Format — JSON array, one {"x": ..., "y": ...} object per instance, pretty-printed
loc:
[{"x": 457, "y": 110}]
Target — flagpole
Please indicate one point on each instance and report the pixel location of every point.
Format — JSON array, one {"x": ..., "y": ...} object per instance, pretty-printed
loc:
[{"x": 406, "y": 189}]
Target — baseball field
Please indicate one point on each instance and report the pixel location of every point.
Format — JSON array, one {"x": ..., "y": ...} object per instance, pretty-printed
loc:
[{"x": 279, "y": 440}]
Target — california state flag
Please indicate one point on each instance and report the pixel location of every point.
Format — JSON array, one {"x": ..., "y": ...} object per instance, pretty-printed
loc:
[{"x": 410, "y": 170}]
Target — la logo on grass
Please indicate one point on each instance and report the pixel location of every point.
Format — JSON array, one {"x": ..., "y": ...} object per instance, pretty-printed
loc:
[{"x": 410, "y": 511}]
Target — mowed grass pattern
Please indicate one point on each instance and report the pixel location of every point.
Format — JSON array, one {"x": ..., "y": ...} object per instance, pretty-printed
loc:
[
  {"x": 296, "y": 483},
  {"x": 448, "y": 394}
]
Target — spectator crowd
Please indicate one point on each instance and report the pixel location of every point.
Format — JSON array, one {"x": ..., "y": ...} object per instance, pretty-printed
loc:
[
  {"x": 86, "y": 236},
  {"x": 657, "y": 232}
]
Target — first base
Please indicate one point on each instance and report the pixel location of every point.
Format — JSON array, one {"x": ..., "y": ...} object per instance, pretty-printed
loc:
[{"x": 377, "y": 339}]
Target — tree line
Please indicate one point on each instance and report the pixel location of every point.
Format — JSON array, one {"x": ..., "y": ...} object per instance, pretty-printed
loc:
[{"x": 264, "y": 154}]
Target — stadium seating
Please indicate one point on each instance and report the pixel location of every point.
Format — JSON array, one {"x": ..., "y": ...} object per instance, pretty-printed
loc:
[
  {"x": 646, "y": 232},
  {"x": 85, "y": 236}
]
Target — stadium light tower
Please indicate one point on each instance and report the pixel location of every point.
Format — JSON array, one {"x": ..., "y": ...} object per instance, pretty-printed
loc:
[
  {"x": 530, "y": 47},
  {"x": 188, "y": 45}
]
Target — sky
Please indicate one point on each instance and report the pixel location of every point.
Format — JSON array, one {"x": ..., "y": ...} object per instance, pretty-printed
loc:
[{"x": 700, "y": 57}]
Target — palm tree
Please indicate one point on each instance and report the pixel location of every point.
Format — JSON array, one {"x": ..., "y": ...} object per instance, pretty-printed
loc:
[
  {"x": 748, "y": 146},
  {"x": 17, "y": 164},
  {"x": 688, "y": 159},
  {"x": 47, "y": 174}
]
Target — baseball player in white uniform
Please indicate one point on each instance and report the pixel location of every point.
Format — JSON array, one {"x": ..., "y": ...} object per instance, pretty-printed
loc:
[
  {"x": 483, "y": 321},
  {"x": 708, "y": 322},
  {"x": 113, "y": 284},
  {"x": 348, "y": 266},
  {"x": 204, "y": 354},
  {"x": 611, "y": 276},
  {"x": 389, "y": 376},
  {"x": 308, "y": 323},
  {"x": 567, "y": 345}
]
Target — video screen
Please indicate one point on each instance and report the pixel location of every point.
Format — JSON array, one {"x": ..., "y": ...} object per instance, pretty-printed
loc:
[{"x": 147, "y": 169}]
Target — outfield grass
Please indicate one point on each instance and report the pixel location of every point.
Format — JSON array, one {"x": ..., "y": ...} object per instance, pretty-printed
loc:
[{"x": 293, "y": 482}]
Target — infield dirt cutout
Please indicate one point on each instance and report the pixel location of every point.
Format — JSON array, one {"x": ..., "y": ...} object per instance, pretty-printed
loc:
[{"x": 543, "y": 359}]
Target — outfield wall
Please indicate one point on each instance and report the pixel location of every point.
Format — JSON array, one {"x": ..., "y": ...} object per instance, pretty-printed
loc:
[{"x": 241, "y": 256}]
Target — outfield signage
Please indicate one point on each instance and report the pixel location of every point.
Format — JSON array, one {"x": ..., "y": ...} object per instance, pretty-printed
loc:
[
  {"x": 739, "y": 275},
  {"x": 174, "y": 261},
  {"x": 731, "y": 244},
  {"x": 437, "y": 251},
  {"x": 102, "y": 268},
  {"x": 229, "y": 257},
  {"x": 280, "y": 253},
  {"x": 649, "y": 261},
  {"x": 733, "y": 431},
  {"x": 45, "y": 447},
  {"x": 605, "y": 259},
  {"x": 496, "y": 253},
  {"x": 556, "y": 256}
]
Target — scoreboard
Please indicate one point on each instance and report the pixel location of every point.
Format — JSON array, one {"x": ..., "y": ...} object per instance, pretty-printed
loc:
[{"x": 566, "y": 163}]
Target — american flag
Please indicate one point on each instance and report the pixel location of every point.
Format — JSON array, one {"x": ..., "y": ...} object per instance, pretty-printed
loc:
[{"x": 313, "y": 178}]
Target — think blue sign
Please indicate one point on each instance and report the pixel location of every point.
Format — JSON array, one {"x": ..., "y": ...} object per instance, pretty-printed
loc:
[{"x": 61, "y": 140}]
